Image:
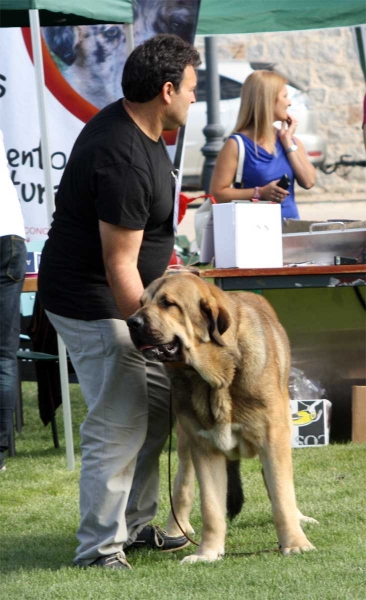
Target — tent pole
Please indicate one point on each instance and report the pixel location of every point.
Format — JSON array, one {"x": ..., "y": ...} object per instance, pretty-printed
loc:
[
  {"x": 50, "y": 205},
  {"x": 41, "y": 100},
  {"x": 66, "y": 404},
  {"x": 130, "y": 44}
]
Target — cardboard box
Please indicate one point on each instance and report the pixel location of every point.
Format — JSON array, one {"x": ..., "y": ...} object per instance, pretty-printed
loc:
[
  {"x": 311, "y": 422},
  {"x": 33, "y": 260},
  {"x": 359, "y": 414},
  {"x": 247, "y": 235}
]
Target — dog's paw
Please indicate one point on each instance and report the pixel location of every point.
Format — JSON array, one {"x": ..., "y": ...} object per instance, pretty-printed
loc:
[
  {"x": 304, "y": 519},
  {"x": 306, "y": 547},
  {"x": 207, "y": 557}
]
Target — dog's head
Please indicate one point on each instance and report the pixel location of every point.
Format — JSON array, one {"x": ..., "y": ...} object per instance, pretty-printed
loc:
[
  {"x": 178, "y": 313},
  {"x": 84, "y": 43},
  {"x": 91, "y": 59},
  {"x": 165, "y": 16}
]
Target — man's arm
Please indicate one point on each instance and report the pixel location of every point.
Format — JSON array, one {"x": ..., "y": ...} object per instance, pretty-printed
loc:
[{"x": 121, "y": 247}]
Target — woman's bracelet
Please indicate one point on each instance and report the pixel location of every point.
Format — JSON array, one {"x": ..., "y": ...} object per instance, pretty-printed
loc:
[{"x": 292, "y": 148}]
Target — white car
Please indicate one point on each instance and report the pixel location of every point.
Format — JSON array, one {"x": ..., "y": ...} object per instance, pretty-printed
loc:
[{"x": 232, "y": 75}]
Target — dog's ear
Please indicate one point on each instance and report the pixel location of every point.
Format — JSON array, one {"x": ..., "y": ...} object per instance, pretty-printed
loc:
[
  {"x": 61, "y": 41},
  {"x": 218, "y": 318},
  {"x": 151, "y": 290}
]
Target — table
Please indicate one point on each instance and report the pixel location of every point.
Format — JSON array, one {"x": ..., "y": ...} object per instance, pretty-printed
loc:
[
  {"x": 30, "y": 284},
  {"x": 312, "y": 276}
]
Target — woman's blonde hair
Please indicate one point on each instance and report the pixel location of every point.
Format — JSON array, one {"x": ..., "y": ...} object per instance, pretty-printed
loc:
[{"x": 258, "y": 98}]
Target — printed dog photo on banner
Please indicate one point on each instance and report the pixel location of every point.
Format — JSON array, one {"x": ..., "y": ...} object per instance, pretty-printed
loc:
[{"x": 91, "y": 57}]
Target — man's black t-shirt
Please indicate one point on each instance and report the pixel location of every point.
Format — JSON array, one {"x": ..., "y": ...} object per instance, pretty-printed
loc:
[{"x": 118, "y": 175}]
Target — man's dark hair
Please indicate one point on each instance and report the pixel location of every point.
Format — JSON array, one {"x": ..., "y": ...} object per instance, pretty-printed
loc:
[{"x": 160, "y": 59}]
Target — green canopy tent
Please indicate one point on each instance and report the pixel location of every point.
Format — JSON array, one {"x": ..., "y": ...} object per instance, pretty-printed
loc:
[
  {"x": 216, "y": 17},
  {"x": 14, "y": 13},
  {"x": 253, "y": 16}
]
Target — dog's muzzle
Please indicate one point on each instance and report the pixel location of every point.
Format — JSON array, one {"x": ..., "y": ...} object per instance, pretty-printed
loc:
[{"x": 150, "y": 348}]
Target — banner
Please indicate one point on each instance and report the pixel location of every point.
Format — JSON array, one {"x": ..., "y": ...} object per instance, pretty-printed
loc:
[{"x": 83, "y": 70}]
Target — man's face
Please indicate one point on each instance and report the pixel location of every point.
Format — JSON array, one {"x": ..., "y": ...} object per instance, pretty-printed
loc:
[{"x": 177, "y": 111}]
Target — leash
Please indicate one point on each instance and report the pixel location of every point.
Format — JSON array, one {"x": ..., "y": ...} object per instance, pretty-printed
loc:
[{"x": 255, "y": 553}]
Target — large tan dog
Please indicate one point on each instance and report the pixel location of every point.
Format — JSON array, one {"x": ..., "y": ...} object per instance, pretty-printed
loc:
[{"x": 228, "y": 358}]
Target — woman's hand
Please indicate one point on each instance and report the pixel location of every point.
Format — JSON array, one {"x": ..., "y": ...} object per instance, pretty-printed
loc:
[
  {"x": 303, "y": 170},
  {"x": 272, "y": 193},
  {"x": 287, "y": 132}
]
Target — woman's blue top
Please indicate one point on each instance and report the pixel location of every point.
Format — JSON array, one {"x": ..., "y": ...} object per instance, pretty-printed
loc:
[{"x": 262, "y": 167}]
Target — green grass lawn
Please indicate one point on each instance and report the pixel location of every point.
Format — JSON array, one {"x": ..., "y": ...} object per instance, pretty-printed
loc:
[{"x": 39, "y": 517}]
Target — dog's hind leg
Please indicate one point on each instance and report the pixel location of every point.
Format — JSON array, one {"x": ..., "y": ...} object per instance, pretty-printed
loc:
[
  {"x": 302, "y": 518},
  {"x": 183, "y": 494}
]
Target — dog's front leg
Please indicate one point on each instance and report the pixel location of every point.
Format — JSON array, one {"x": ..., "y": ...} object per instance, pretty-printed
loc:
[
  {"x": 210, "y": 466},
  {"x": 183, "y": 494},
  {"x": 277, "y": 466}
]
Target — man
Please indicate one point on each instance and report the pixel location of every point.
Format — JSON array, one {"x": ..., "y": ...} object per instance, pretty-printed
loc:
[
  {"x": 12, "y": 270},
  {"x": 112, "y": 234}
]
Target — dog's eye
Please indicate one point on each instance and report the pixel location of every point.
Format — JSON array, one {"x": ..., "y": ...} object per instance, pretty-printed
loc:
[
  {"x": 111, "y": 33},
  {"x": 165, "y": 302}
]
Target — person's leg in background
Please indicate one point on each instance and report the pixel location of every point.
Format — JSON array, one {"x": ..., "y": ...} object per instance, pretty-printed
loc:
[{"x": 12, "y": 271}]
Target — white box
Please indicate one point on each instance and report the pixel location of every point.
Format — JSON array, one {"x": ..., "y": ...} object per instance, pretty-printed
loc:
[
  {"x": 247, "y": 235},
  {"x": 311, "y": 422}
]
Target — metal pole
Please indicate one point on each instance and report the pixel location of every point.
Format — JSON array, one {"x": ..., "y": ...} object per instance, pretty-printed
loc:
[
  {"x": 50, "y": 205},
  {"x": 41, "y": 99},
  {"x": 213, "y": 131},
  {"x": 66, "y": 404},
  {"x": 130, "y": 43}
]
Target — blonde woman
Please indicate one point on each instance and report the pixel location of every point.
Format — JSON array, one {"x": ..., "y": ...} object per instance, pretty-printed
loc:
[{"x": 269, "y": 152}]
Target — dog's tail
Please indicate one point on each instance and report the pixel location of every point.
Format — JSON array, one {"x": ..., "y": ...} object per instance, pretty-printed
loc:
[{"x": 235, "y": 495}]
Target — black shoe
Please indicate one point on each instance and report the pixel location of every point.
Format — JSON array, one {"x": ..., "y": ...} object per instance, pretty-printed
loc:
[
  {"x": 113, "y": 561},
  {"x": 153, "y": 537}
]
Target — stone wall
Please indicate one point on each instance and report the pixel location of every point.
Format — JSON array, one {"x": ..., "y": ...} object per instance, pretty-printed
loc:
[{"x": 325, "y": 63}]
